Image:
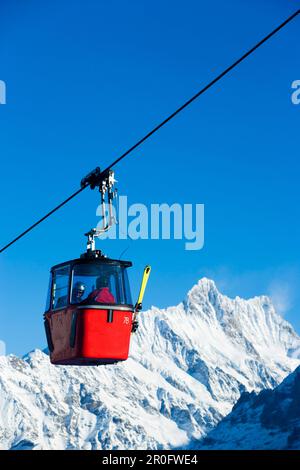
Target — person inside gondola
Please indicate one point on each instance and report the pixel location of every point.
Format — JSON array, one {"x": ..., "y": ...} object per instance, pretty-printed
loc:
[
  {"x": 102, "y": 294},
  {"x": 78, "y": 292}
]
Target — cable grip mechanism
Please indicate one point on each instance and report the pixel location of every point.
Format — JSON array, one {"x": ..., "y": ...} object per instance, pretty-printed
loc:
[{"x": 105, "y": 182}]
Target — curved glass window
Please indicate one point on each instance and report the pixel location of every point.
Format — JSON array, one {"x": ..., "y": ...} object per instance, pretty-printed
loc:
[
  {"x": 60, "y": 287},
  {"x": 48, "y": 301},
  {"x": 100, "y": 284}
]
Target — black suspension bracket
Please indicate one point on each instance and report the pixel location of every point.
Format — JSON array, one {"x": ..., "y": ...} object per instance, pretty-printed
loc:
[
  {"x": 94, "y": 178},
  {"x": 103, "y": 180}
]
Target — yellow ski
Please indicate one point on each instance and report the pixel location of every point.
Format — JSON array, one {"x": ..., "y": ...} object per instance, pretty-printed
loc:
[
  {"x": 138, "y": 305},
  {"x": 145, "y": 278}
]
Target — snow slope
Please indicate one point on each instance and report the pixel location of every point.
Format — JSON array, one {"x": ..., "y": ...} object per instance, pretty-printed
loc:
[
  {"x": 268, "y": 420},
  {"x": 188, "y": 366}
]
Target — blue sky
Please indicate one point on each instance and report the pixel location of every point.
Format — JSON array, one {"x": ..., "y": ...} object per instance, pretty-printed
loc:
[{"x": 85, "y": 80}]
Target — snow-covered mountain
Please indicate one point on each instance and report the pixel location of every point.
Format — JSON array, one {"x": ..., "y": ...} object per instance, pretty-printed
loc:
[
  {"x": 268, "y": 420},
  {"x": 188, "y": 366}
]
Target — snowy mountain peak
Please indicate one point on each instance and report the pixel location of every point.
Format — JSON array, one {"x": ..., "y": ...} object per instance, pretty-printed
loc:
[
  {"x": 205, "y": 287},
  {"x": 253, "y": 321},
  {"x": 205, "y": 284},
  {"x": 188, "y": 366}
]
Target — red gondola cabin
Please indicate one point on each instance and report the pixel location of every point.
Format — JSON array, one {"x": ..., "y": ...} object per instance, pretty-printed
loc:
[{"x": 89, "y": 312}]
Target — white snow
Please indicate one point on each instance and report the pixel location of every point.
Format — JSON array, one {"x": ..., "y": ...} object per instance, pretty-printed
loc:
[
  {"x": 264, "y": 421},
  {"x": 188, "y": 366}
]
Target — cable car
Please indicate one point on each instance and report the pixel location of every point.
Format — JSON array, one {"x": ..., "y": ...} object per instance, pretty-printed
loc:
[{"x": 89, "y": 313}]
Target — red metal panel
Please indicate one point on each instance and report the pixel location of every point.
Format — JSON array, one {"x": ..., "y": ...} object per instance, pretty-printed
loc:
[
  {"x": 102, "y": 339},
  {"x": 97, "y": 340}
]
